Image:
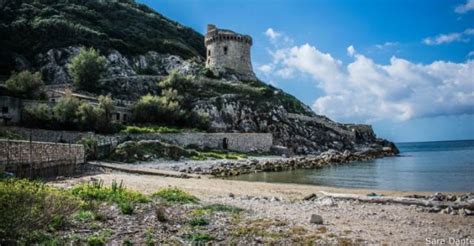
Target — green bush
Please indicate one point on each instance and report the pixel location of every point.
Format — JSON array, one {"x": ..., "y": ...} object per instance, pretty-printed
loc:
[
  {"x": 175, "y": 195},
  {"x": 26, "y": 84},
  {"x": 133, "y": 151},
  {"x": 86, "y": 69},
  {"x": 28, "y": 206},
  {"x": 37, "y": 115},
  {"x": 172, "y": 107}
]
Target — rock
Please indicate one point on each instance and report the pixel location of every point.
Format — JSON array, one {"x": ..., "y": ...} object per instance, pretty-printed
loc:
[
  {"x": 231, "y": 195},
  {"x": 316, "y": 219},
  {"x": 326, "y": 201},
  {"x": 310, "y": 197}
]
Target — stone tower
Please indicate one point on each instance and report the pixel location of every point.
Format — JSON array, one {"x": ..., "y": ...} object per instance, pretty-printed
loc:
[{"x": 228, "y": 53}]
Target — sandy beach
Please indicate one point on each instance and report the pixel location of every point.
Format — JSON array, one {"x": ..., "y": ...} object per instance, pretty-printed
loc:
[{"x": 366, "y": 223}]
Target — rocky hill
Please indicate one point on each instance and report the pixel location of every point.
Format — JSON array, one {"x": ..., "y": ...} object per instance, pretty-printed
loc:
[
  {"x": 142, "y": 47},
  {"x": 30, "y": 27}
]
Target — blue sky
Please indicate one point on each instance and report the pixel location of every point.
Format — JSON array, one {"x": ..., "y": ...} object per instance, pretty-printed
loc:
[{"x": 406, "y": 67}]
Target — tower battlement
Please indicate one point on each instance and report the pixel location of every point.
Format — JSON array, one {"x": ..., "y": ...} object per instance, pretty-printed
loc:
[{"x": 229, "y": 52}]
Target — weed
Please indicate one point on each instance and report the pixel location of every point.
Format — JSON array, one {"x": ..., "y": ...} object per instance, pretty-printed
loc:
[
  {"x": 198, "y": 221},
  {"x": 95, "y": 191},
  {"x": 84, "y": 216},
  {"x": 175, "y": 195}
]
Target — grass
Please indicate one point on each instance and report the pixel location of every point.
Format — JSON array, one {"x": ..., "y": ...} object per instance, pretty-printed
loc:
[
  {"x": 117, "y": 194},
  {"x": 175, "y": 196},
  {"x": 201, "y": 156},
  {"x": 198, "y": 221}
]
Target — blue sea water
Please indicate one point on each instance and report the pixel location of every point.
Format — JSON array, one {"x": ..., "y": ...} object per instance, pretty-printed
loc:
[{"x": 421, "y": 166}]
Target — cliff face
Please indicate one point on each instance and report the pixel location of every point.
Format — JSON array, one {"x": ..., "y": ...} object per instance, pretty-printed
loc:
[{"x": 232, "y": 106}]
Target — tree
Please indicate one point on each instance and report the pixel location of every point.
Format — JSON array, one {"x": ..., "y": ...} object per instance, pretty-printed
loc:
[
  {"x": 26, "y": 84},
  {"x": 65, "y": 111},
  {"x": 88, "y": 116},
  {"x": 107, "y": 105},
  {"x": 86, "y": 69}
]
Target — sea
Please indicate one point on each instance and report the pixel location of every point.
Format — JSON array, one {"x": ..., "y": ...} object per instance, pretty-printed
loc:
[{"x": 442, "y": 166}]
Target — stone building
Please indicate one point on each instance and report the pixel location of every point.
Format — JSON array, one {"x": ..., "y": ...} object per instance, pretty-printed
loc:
[{"x": 228, "y": 52}]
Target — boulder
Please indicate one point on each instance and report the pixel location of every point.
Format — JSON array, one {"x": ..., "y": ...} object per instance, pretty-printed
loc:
[{"x": 316, "y": 219}]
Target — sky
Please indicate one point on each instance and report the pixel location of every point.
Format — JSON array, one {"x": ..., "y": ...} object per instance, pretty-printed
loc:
[{"x": 405, "y": 67}]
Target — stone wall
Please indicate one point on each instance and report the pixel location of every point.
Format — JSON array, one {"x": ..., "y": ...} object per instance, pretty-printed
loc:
[
  {"x": 40, "y": 159},
  {"x": 242, "y": 142}
]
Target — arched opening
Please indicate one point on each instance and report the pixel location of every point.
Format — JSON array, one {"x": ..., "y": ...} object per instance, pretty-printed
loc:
[
  {"x": 225, "y": 143},
  {"x": 225, "y": 50}
]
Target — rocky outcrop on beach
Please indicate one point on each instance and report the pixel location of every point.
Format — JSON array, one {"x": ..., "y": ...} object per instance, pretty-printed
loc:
[{"x": 222, "y": 168}]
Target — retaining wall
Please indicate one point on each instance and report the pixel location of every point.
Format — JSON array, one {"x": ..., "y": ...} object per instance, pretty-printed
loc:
[
  {"x": 40, "y": 159},
  {"x": 242, "y": 142}
]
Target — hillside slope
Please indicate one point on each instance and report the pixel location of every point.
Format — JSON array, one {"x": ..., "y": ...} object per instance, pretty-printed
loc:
[{"x": 29, "y": 27}]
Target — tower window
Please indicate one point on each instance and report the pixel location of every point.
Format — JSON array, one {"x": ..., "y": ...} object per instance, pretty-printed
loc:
[
  {"x": 208, "y": 52},
  {"x": 225, "y": 50}
]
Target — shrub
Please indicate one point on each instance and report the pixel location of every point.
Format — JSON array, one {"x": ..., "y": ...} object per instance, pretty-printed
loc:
[
  {"x": 26, "y": 84},
  {"x": 37, "y": 115},
  {"x": 27, "y": 206},
  {"x": 175, "y": 195},
  {"x": 86, "y": 69},
  {"x": 150, "y": 129}
]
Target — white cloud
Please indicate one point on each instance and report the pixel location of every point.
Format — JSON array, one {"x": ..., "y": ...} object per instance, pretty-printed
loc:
[
  {"x": 266, "y": 68},
  {"x": 451, "y": 37},
  {"x": 386, "y": 45},
  {"x": 471, "y": 53},
  {"x": 366, "y": 91},
  {"x": 272, "y": 34},
  {"x": 351, "y": 51},
  {"x": 464, "y": 8}
]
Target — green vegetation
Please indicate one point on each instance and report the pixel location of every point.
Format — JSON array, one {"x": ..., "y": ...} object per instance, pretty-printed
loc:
[
  {"x": 71, "y": 114},
  {"x": 124, "y": 25},
  {"x": 217, "y": 155},
  {"x": 175, "y": 195},
  {"x": 27, "y": 207},
  {"x": 172, "y": 107},
  {"x": 151, "y": 129},
  {"x": 26, "y": 84},
  {"x": 198, "y": 221},
  {"x": 117, "y": 194},
  {"x": 10, "y": 135},
  {"x": 86, "y": 69}
]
